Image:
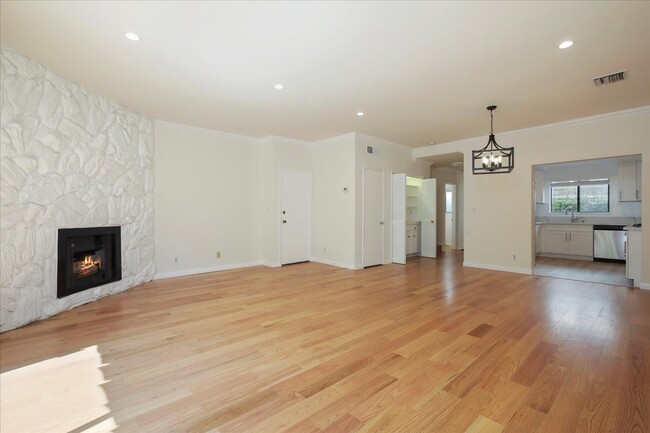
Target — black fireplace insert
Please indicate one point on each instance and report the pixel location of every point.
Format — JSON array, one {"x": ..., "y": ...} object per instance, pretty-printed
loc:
[{"x": 88, "y": 257}]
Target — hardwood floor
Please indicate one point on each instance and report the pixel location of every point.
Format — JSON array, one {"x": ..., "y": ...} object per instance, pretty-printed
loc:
[
  {"x": 582, "y": 270},
  {"x": 426, "y": 347}
]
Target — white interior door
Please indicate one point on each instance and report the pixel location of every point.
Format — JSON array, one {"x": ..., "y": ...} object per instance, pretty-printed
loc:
[
  {"x": 295, "y": 221},
  {"x": 429, "y": 227},
  {"x": 399, "y": 218},
  {"x": 373, "y": 217}
]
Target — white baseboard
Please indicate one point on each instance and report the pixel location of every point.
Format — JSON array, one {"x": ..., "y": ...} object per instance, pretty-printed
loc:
[
  {"x": 336, "y": 263},
  {"x": 498, "y": 268},
  {"x": 644, "y": 286},
  {"x": 186, "y": 272},
  {"x": 271, "y": 264}
]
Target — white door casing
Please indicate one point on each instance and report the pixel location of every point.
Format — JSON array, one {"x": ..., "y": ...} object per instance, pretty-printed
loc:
[
  {"x": 428, "y": 221},
  {"x": 373, "y": 217},
  {"x": 295, "y": 216}
]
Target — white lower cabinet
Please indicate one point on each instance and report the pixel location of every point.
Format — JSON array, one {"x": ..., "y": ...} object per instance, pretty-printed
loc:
[
  {"x": 412, "y": 238},
  {"x": 567, "y": 239},
  {"x": 581, "y": 243}
]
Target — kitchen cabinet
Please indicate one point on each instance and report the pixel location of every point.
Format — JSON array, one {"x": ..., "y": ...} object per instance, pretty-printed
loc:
[
  {"x": 568, "y": 240},
  {"x": 629, "y": 181},
  {"x": 633, "y": 255},
  {"x": 412, "y": 239},
  {"x": 540, "y": 197}
]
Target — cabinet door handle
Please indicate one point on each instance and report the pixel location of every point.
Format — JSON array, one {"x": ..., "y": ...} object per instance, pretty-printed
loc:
[
  {"x": 619, "y": 194},
  {"x": 570, "y": 236},
  {"x": 637, "y": 194},
  {"x": 565, "y": 238}
]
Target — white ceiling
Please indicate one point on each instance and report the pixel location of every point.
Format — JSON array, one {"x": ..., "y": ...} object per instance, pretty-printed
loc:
[{"x": 421, "y": 71}]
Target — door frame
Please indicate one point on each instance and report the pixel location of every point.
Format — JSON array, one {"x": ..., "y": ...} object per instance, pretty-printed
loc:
[
  {"x": 279, "y": 221},
  {"x": 363, "y": 215},
  {"x": 454, "y": 200}
]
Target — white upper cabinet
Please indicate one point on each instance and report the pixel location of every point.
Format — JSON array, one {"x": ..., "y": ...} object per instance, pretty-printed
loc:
[{"x": 629, "y": 181}]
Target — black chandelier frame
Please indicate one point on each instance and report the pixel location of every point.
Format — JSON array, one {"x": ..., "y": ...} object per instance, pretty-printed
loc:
[{"x": 493, "y": 159}]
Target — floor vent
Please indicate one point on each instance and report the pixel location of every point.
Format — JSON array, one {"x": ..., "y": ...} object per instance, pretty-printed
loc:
[{"x": 611, "y": 78}]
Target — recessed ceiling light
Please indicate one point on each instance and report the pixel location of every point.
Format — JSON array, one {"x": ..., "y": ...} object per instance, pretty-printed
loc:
[
  {"x": 278, "y": 86},
  {"x": 132, "y": 36},
  {"x": 565, "y": 44},
  {"x": 360, "y": 113}
]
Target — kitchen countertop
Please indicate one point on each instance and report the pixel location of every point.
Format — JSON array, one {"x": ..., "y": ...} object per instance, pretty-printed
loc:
[{"x": 632, "y": 229}]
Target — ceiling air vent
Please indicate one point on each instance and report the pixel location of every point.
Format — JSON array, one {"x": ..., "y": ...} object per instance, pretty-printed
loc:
[
  {"x": 370, "y": 150},
  {"x": 611, "y": 78}
]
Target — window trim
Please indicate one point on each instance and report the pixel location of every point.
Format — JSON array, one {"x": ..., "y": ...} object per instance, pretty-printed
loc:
[{"x": 578, "y": 184}]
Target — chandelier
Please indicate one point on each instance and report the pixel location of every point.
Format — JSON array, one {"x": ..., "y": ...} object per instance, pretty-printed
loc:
[{"x": 493, "y": 158}]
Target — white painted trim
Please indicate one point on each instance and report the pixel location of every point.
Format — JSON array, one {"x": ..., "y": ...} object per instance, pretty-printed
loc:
[
  {"x": 498, "y": 268},
  {"x": 644, "y": 286},
  {"x": 228, "y": 135},
  {"x": 442, "y": 148},
  {"x": 271, "y": 264},
  {"x": 377, "y": 140},
  {"x": 273, "y": 138},
  {"x": 336, "y": 263},
  {"x": 205, "y": 270},
  {"x": 336, "y": 139}
]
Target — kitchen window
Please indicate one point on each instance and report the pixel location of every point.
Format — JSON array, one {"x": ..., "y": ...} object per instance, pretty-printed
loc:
[{"x": 581, "y": 196}]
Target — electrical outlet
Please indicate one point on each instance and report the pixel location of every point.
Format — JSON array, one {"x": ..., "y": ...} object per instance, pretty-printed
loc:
[
  {"x": 514, "y": 257},
  {"x": 218, "y": 254},
  {"x": 176, "y": 259}
]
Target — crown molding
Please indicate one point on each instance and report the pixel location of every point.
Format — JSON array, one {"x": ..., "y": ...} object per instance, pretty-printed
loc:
[
  {"x": 214, "y": 132},
  {"x": 452, "y": 146}
]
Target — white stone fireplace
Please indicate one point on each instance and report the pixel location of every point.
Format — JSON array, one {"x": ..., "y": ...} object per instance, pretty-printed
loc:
[{"x": 68, "y": 158}]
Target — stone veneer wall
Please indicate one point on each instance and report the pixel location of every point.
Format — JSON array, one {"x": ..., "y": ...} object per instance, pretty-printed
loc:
[{"x": 69, "y": 158}]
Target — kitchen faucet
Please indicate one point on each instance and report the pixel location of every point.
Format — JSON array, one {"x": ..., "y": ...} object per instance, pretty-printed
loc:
[{"x": 573, "y": 214}]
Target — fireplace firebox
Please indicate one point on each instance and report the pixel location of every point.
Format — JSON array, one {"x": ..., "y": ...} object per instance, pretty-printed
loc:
[{"x": 88, "y": 257}]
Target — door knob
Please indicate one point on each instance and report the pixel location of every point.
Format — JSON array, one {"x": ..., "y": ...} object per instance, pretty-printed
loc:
[
  {"x": 431, "y": 221},
  {"x": 381, "y": 223},
  {"x": 284, "y": 221}
]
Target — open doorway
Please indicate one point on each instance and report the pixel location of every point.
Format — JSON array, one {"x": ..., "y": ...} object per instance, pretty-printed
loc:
[
  {"x": 585, "y": 212},
  {"x": 448, "y": 169},
  {"x": 450, "y": 216}
]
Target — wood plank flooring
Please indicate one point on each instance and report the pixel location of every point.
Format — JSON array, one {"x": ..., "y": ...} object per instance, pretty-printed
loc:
[{"x": 426, "y": 347}]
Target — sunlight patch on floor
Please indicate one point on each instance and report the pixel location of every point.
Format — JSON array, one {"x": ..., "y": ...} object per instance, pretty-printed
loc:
[{"x": 62, "y": 394}]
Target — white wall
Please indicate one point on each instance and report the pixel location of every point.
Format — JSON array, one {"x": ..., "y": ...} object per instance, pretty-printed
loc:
[
  {"x": 595, "y": 169},
  {"x": 207, "y": 199},
  {"x": 70, "y": 158},
  {"x": 499, "y": 208},
  {"x": 391, "y": 158},
  {"x": 333, "y": 210}
]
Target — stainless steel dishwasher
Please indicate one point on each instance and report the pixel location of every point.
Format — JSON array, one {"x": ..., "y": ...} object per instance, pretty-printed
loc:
[{"x": 609, "y": 243}]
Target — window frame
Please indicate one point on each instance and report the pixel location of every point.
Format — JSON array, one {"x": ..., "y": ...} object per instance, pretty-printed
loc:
[{"x": 578, "y": 184}]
